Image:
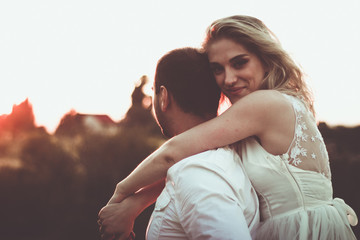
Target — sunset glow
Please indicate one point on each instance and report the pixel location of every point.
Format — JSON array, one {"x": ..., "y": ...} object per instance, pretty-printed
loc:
[{"x": 88, "y": 55}]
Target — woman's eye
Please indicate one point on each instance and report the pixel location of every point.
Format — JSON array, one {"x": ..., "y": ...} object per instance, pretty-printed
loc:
[
  {"x": 217, "y": 70},
  {"x": 240, "y": 63}
]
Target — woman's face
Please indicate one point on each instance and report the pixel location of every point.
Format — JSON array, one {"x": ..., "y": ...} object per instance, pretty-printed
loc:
[{"x": 238, "y": 72}]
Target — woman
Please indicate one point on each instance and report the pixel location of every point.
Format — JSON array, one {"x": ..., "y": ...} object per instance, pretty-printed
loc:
[{"x": 282, "y": 149}]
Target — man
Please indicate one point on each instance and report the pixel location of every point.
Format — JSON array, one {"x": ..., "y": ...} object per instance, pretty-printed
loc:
[{"x": 206, "y": 196}]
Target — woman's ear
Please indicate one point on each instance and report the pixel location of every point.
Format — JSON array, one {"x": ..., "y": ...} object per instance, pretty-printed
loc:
[{"x": 164, "y": 98}]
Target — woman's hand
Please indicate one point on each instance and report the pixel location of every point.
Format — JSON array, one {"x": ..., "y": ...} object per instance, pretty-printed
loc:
[{"x": 116, "y": 220}]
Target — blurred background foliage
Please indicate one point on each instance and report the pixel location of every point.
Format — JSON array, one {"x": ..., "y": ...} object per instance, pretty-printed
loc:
[{"x": 53, "y": 185}]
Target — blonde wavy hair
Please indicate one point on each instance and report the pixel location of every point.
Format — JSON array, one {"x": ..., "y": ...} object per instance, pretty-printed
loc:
[{"x": 284, "y": 75}]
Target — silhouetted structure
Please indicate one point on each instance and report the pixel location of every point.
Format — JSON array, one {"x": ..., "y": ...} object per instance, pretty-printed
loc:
[
  {"x": 139, "y": 113},
  {"x": 74, "y": 123},
  {"x": 20, "y": 120}
]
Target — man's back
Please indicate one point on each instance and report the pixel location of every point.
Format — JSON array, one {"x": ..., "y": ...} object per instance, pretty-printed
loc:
[{"x": 207, "y": 196}]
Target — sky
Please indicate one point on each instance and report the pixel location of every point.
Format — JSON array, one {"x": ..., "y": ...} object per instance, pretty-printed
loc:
[{"x": 88, "y": 55}]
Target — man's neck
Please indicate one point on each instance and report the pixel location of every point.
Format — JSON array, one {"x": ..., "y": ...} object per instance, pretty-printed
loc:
[{"x": 185, "y": 122}]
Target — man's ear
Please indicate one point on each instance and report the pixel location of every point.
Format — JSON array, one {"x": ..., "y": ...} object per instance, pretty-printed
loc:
[{"x": 164, "y": 98}]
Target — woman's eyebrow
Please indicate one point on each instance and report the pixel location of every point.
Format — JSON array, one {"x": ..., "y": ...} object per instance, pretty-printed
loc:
[{"x": 238, "y": 57}]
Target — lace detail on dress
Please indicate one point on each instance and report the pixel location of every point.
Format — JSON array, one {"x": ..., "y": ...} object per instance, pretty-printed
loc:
[{"x": 307, "y": 150}]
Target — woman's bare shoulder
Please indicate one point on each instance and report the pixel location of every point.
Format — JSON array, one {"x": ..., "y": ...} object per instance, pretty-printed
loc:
[
  {"x": 264, "y": 101},
  {"x": 269, "y": 95},
  {"x": 273, "y": 119}
]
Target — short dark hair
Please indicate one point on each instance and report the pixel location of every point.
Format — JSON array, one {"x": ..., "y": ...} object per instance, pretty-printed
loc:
[{"x": 186, "y": 73}]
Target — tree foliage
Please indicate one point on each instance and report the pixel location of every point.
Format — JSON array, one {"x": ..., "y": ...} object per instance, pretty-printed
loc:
[{"x": 65, "y": 178}]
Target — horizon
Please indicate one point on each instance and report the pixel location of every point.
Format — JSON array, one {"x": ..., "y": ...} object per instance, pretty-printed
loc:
[
  {"x": 88, "y": 56},
  {"x": 74, "y": 111}
]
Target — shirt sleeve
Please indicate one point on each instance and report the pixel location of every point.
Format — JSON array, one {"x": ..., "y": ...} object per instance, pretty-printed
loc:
[{"x": 207, "y": 205}]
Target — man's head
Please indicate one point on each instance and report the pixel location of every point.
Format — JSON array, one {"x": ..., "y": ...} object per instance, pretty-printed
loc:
[{"x": 184, "y": 88}]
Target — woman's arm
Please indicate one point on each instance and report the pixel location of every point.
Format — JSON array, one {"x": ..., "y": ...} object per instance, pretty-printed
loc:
[
  {"x": 256, "y": 114},
  {"x": 118, "y": 218}
]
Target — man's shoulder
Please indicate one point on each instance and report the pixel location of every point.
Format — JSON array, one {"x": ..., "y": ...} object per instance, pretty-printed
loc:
[
  {"x": 208, "y": 156},
  {"x": 218, "y": 160}
]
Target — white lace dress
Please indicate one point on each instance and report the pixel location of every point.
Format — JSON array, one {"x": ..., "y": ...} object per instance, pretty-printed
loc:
[{"x": 294, "y": 189}]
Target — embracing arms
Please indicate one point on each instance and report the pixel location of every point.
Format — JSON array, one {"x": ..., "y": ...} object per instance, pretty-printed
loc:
[{"x": 263, "y": 113}]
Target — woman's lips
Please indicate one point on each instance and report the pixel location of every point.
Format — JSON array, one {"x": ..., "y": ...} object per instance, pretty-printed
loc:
[{"x": 235, "y": 90}]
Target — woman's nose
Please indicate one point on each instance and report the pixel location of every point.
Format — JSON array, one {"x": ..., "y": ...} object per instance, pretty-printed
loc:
[{"x": 230, "y": 78}]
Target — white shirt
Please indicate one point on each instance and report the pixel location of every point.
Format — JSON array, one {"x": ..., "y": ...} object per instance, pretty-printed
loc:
[{"x": 206, "y": 196}]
